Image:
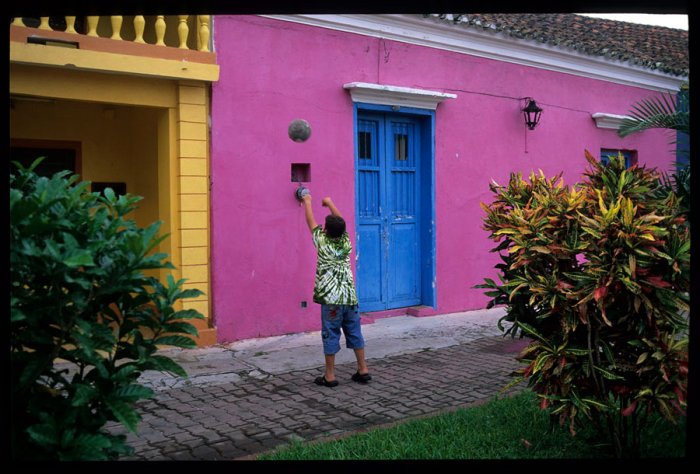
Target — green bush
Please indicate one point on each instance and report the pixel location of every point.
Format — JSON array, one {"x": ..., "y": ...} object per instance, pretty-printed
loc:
[
  {"x": 85, "y": 321},
  {"x": 598, "y": 277}
]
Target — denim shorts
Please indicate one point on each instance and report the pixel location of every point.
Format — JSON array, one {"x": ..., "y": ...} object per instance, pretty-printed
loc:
[{"x": 333, "y": 319}]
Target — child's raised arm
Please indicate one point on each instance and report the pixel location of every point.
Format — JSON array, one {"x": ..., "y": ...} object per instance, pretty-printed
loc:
[
  {"x": 328, "y": 202},
  {"x": 309, "y": 213}
]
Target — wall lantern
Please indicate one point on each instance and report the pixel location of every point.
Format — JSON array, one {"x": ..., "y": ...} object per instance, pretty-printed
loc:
[{"x": 532, "y": 113}]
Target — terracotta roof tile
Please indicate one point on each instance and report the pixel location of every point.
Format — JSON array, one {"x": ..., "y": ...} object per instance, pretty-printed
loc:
[{"x": 652, "y": 47}]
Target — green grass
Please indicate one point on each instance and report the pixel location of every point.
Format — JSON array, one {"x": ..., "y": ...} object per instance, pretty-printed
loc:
[{"x": 504, "y": 428}]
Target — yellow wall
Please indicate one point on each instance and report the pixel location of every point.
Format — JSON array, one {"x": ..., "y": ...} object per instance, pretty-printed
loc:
[
  {"x": 159, "y": 149},
  {"x": 118, "y": 143},
  {"x": 193, "y": 190}
]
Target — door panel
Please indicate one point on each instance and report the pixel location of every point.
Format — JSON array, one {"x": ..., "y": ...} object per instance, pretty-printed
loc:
[
  {"x": 403, "y": 270},
  {"x": 369, "y": 285},
  {"x": 368, "y": 196},
  {"x": 403, "y": 249},
  {"x": 370, "y": 230},
  {"x": 388, "y": 265}
]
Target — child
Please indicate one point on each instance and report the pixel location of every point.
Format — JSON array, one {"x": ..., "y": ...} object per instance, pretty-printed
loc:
[{"x": 334, "y": 290}]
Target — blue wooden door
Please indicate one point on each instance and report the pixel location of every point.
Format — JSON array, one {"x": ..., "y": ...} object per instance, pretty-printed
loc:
[{"x": 388, "y": 225}]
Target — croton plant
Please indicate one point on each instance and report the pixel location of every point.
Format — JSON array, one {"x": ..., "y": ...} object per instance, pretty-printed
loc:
[{"x": 597, "y": 277}]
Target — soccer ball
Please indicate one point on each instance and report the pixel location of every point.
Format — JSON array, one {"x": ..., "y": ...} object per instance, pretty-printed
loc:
[{"x": 299, "y": 130}]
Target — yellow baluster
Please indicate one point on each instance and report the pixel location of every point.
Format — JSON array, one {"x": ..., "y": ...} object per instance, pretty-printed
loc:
[
  {"x": 70, "y": 24},
  {"x": 203, "y": 32},
  {"x": 92, "y": 25},
  {"x": 18, "y": 21},
  {"x": 160, "y": 30},
  {"x": 116, "y": 27},
  {"x": 44, "y": 23},
  {"x": 139, "y": 25},
  {"x": 182, "y": 31}
]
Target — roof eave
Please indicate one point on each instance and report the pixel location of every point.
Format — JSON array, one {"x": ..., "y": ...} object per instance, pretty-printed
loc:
[{"x": 436, "y": 33}]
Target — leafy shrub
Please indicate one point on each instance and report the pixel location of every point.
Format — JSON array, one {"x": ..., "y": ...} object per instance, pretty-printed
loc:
[
  {"x": 598, "y": 277},
  {"x": 84, "y": 320}
]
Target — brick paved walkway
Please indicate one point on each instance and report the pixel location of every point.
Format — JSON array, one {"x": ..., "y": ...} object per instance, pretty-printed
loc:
[{"x": 241, "y": 419}]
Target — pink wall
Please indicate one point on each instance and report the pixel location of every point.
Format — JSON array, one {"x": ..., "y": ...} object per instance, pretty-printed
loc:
[{"x": 272, "y": 72}]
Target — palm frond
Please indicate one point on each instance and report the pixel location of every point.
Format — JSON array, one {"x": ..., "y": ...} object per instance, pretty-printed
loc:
[{"x": 656, "y": 112}]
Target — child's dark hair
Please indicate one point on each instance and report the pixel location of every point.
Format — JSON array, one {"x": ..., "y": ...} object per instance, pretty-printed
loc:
[{"x": 335, "y": 226}]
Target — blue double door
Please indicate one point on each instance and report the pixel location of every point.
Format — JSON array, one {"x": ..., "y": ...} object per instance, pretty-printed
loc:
[{"x": 387, "y": 164}]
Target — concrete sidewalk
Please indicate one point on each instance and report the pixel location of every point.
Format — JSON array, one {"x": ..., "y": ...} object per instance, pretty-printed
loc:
[
  {"x": 385, "y": 337},
  {"x": 250, "y": 396}
]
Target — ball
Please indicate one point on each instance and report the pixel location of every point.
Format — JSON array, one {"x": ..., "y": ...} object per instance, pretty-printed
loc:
[{"x": 299, "y": 130}]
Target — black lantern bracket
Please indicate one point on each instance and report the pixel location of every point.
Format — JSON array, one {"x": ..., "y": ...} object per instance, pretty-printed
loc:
[{"x": 531, "y": 113}]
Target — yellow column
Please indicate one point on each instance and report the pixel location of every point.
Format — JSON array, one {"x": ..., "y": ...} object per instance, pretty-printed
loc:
[
  {"x": 168, "y": 190},
  {"x": 193, "y": 143},
  {"x": 203, "y": 32},
  {"x": 70, "y": 24},
  {"x": 116, "y": 27},
  {"x": 139, "y": 25},
  {"x": 182, "y": 31},
  {"x": 92, "y": 25},
  {"x": 44, "y": 25},
  {"x": 160, "y": 30}
]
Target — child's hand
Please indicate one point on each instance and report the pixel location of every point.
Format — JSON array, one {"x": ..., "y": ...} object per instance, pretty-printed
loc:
[
  {"x": 326, "y": 202},
  {"x": 307, "y": 198}
]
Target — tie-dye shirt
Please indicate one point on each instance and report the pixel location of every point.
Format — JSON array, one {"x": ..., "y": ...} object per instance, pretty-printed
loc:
[{"x": 334, "y": 282}]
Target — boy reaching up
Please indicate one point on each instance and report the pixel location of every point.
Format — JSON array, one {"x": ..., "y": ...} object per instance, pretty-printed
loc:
[{"x": 334, "y": 290}]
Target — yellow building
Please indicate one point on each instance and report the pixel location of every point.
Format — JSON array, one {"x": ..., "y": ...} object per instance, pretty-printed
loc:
[{"x": 128, "y": 99}]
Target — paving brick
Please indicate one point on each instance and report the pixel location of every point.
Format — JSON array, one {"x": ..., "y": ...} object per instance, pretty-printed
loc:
[
  {"x": 280, "y": 431},
  {"x": 251, "y": 446},
  {"x": 253, "y": 431},
  {"x": 210, "y": 436},
  {"x": 206, "y": 453},
  {"x": 228, "y": 450},
  {"x": 243, "y": 418}
]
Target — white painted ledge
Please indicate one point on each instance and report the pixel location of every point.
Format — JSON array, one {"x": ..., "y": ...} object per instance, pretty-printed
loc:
[
  {"x": 610, "y": 121},
  {"x": 395, "y": 95}
]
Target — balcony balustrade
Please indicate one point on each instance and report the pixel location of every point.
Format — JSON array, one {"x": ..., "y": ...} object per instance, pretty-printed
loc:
[{"x": 190, "y": 32}]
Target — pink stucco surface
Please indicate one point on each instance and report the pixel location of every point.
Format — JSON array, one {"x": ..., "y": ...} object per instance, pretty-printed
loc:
[{"x": 272, "y": 72}]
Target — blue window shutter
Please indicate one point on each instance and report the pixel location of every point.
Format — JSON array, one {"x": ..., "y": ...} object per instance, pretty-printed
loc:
[{"x": 605, "y": 154}]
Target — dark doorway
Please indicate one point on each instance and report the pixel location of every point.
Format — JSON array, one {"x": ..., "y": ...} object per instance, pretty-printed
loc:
[{"x": 59, "y": 155}]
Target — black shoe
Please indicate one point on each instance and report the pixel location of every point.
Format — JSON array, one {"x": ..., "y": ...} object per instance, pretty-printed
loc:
[
  {"x": 324, "y": 382},
  {"x": 361, "y": 378}
]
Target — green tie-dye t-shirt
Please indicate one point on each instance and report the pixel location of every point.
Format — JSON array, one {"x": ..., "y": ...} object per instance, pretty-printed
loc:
[{"x": 334, "y": 283}]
